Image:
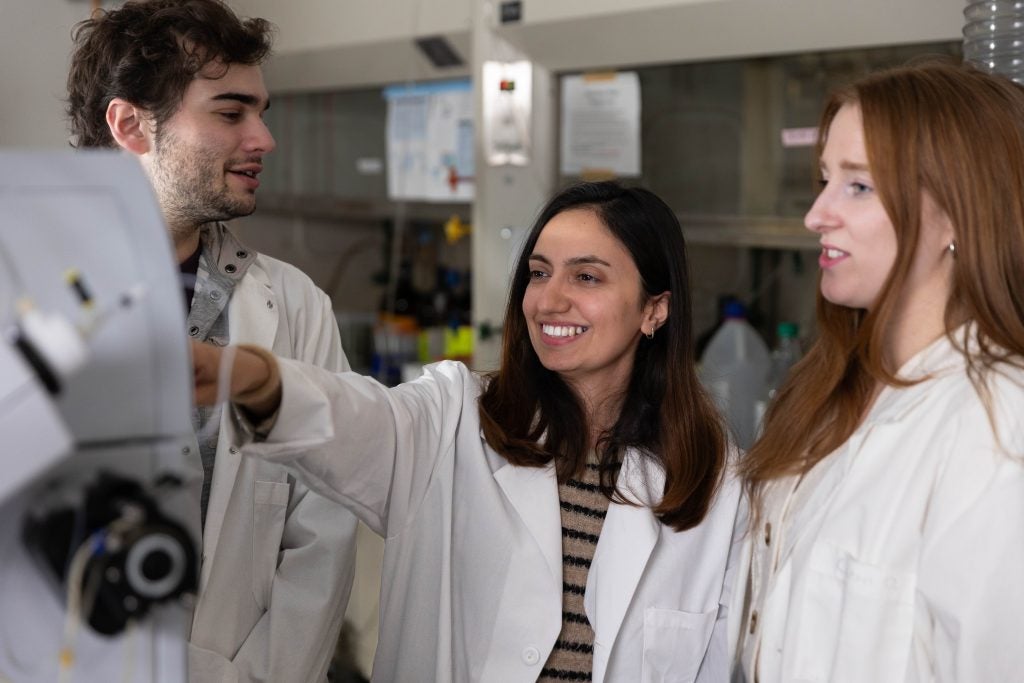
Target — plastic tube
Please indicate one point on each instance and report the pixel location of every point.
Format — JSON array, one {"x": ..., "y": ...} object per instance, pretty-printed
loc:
[{"x": 994, "y": 37}]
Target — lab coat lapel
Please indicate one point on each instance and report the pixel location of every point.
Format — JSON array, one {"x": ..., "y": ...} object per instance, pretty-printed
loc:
[
  {"x": 628, "y": 538},
  {"x": 533, "y": 492},
  {"x": 820, "y": 498},
  {"x": 251, "y": 321},
  {"x": 253, "y": 312},
  {"x": 885, "y": 417}
]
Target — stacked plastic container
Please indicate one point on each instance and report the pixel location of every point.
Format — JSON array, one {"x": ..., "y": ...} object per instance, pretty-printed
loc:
[
  {"x": 994, "y": 37},
  {"x": 734, "y": 369}
]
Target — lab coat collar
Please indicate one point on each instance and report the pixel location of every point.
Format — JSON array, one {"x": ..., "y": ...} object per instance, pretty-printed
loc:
[
  {"x": 533, "y": 492},
  {"x": 628, "y": 537},
  {"x": 252, "y": 319},
  {"x": 819, "y": 501},
  {"x": 253, "y": 313},
  {"x": 939, "y": 358}
]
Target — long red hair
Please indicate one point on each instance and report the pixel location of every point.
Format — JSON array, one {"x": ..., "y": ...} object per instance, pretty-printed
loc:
[{"x": 957, "y": 134}]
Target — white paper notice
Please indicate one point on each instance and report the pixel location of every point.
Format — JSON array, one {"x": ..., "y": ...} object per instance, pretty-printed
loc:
[
  {"x": 601, "y": 124},
  {"x": 799, "y": 137},
  {"x": 430, "y": 142}
]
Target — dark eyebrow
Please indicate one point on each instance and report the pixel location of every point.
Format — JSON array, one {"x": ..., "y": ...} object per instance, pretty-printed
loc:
[
  {"x": 575, "y": 261},
  {"x": 243, "y": 98},
  {"x": 587, "y": 260}
]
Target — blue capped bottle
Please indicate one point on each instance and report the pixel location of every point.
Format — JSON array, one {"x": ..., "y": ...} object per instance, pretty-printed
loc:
[{"x": 734, "y": 370}]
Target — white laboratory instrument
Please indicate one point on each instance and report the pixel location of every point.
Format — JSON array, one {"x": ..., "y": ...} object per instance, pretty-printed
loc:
[{"x": 98, "y": 499}]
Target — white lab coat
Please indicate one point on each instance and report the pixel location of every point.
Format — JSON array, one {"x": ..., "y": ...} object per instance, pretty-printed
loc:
[
  {"x": 472, "y": 576},
  {"x": 278, "y": 559},
  {"x": 900, "y": 557}
]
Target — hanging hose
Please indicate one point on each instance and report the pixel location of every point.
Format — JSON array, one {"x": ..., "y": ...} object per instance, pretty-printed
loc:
[{"x": 994, "y": 37}]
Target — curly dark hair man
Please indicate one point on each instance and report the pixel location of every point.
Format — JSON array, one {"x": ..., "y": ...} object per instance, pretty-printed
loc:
[
  {"x": 178, "y": 85},
  {"x": 147, "y": 53}
]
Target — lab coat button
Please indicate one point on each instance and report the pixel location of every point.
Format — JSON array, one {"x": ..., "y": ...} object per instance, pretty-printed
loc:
[
  {"x": 753, "y": 621},
  {"x": 233, "y": 451},
  {"x": 531, "y": 655},
  {"x": 768, "y": 533}
]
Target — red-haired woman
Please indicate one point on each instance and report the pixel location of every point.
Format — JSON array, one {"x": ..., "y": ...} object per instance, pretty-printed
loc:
[{"x": 888, "y": 486}]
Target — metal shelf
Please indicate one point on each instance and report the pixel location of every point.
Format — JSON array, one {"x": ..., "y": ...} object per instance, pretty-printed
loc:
[
  {"x": 766, "y": 232},
  {"x": 360, "y": 211}
]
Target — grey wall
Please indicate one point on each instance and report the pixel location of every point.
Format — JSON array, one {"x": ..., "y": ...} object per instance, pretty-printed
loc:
[{"x": 34, "y": 45}]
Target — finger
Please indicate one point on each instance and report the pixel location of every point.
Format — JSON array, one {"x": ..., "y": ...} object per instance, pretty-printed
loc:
[
  {"x": 204, "y": 372},
  {"x": 205, "y": 359}
]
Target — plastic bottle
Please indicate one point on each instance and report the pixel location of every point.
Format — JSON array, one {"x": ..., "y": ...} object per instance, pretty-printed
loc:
[
  {"x": 734, "y": 370},
  {"x": 994, "y": 37},
  {"x": 783, "y": 357},
  {"x": 705, "y": 337}
]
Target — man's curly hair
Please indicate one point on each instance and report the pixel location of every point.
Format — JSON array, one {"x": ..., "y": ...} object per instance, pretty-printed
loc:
[{"x": 147, "y": 52}]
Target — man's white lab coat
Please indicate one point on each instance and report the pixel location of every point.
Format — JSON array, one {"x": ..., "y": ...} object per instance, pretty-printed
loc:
[
  {"x": 472, "y": 578},
  {"x": 278, "y": 559}
]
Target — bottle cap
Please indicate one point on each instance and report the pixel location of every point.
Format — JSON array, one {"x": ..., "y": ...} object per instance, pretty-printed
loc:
[
  {"x": 734, "y": 309},
  {"x": 787, "y": 330}
]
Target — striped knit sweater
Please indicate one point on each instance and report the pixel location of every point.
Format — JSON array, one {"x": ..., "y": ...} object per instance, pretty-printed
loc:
[{"x": 583, "y": 511}]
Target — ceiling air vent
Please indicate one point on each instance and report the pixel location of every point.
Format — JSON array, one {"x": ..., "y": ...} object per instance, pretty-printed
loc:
[{"x": 439, "y": 51}]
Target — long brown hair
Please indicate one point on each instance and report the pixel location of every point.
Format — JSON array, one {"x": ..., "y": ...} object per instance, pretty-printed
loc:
[
  {"x": 531, "y": 416},
  {"x": 957, "y": 134}
]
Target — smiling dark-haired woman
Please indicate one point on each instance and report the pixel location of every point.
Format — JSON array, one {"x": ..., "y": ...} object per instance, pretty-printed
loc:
[{"x": 568, "y": 517}]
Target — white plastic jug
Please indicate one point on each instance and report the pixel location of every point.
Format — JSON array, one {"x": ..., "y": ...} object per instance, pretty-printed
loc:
[{"x": 734, "y": 369}]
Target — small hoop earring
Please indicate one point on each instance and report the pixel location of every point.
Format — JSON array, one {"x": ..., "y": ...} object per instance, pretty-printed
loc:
[
  {"x": 952, "y": 248},
  {"x": 650, "y": 335}
]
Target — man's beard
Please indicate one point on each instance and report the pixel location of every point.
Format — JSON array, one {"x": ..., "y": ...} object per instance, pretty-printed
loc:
[{"x": 191, "y": 185}]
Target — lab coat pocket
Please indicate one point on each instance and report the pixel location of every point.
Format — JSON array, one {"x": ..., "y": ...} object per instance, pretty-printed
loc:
[
  {"x": 674, "y": 644},
  {"x": 270, "y": 506},
  {"x": 856, "y": 621},
  {"x": 209, "y": 667}
]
